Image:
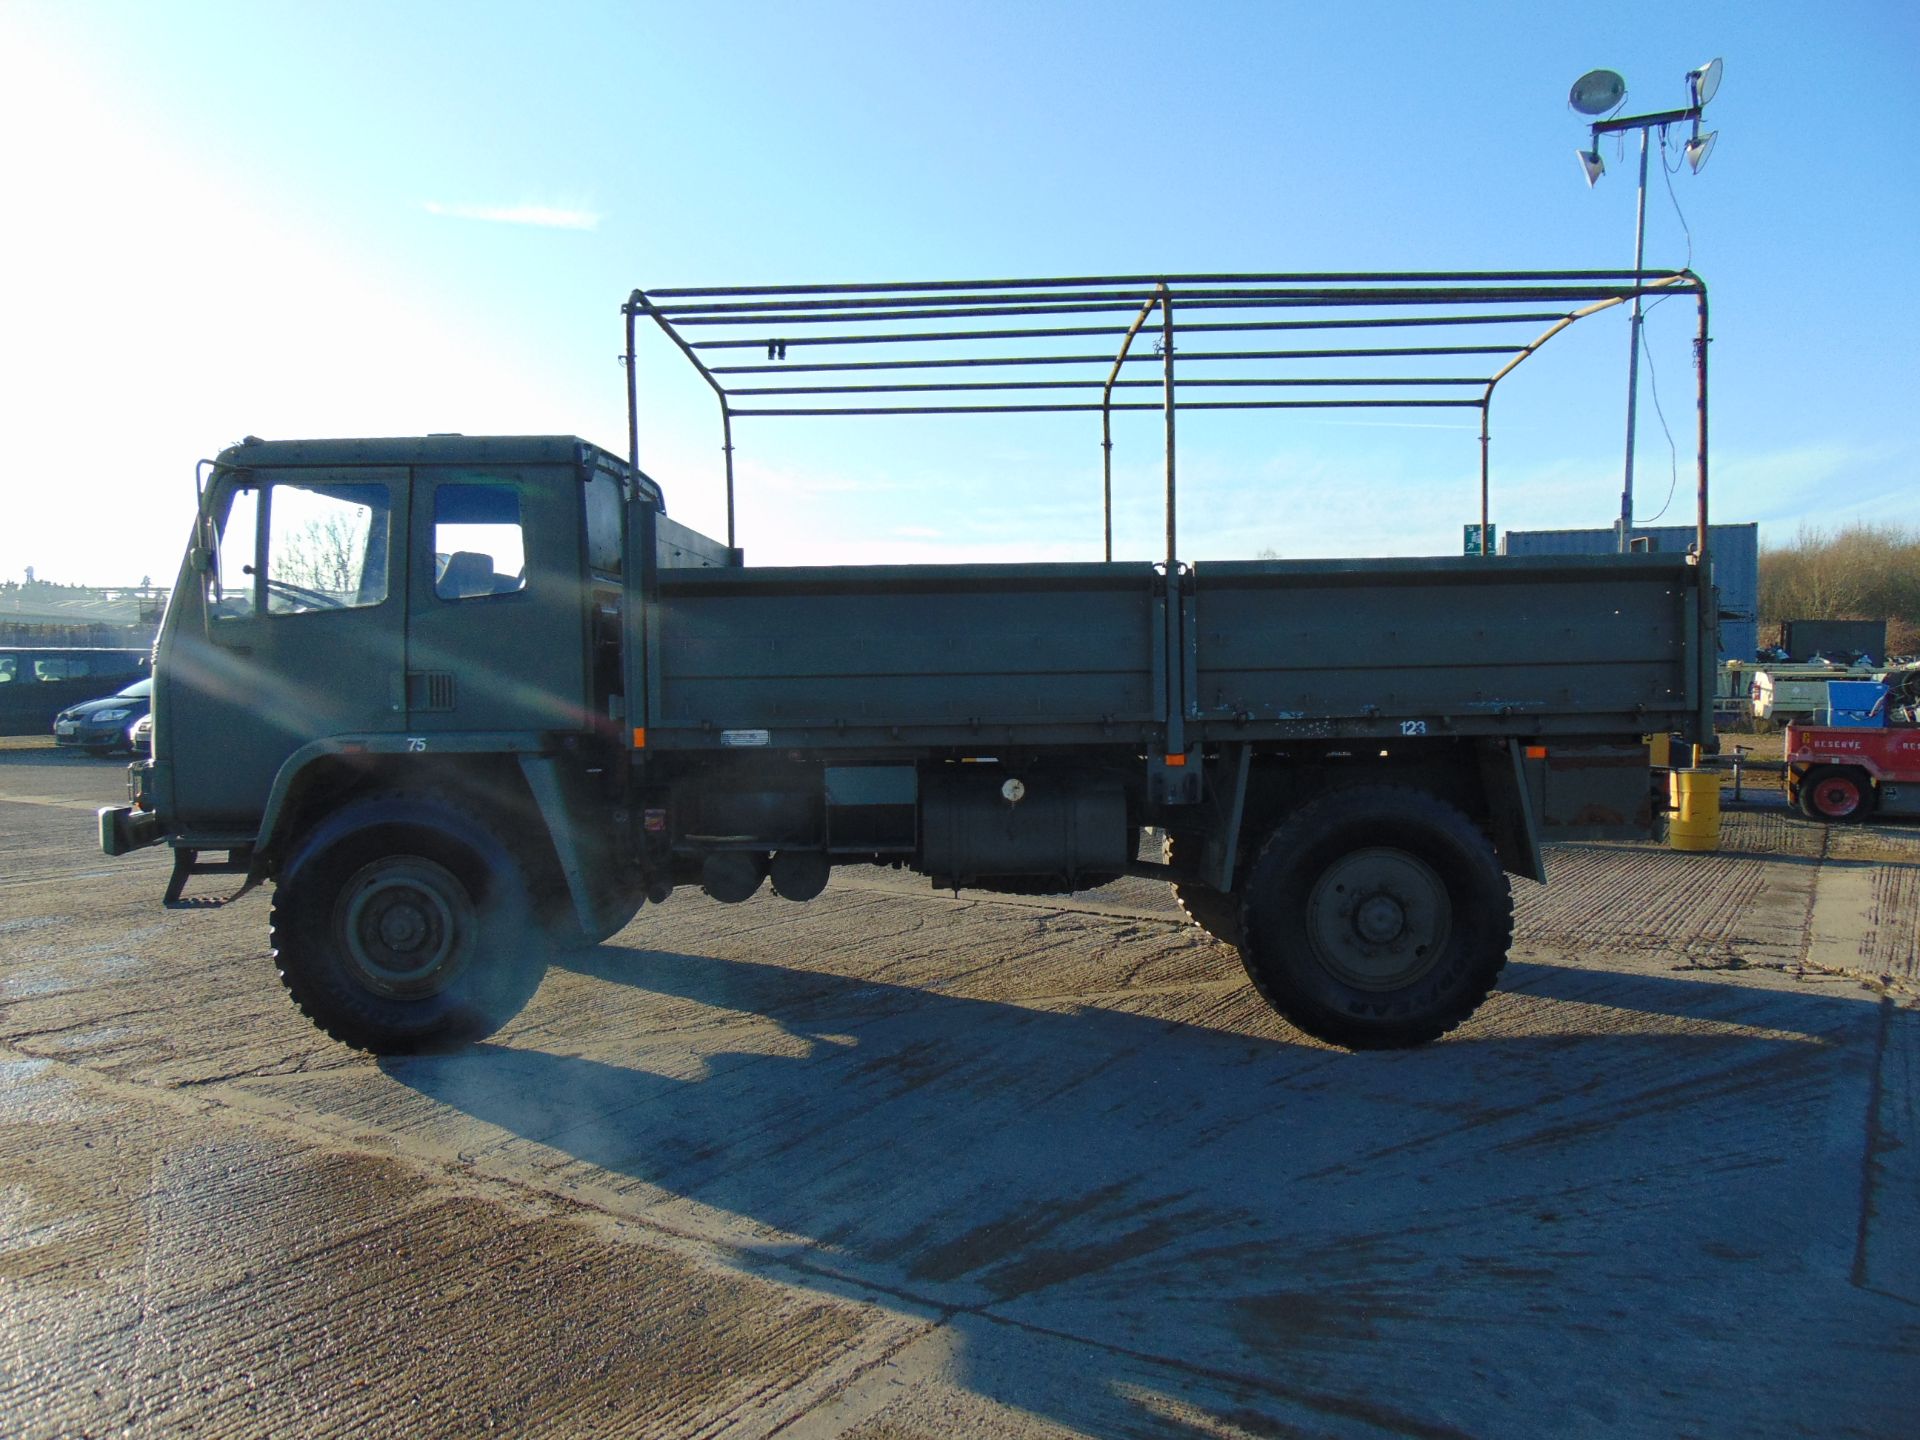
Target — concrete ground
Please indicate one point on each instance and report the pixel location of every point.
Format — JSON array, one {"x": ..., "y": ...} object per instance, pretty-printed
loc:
[{"x": 896, "y": 1164}]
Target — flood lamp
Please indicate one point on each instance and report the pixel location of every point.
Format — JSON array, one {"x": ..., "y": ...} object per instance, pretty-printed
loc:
[
  {"x": 1703, "y": 82},
  {"x": 1597, "y": 92}
]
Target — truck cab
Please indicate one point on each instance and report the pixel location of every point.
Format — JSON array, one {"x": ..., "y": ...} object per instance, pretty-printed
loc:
[{"x": 359, "y": 595}]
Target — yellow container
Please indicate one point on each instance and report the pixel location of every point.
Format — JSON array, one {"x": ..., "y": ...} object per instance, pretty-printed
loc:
[{"x": 1695, "y": 821}]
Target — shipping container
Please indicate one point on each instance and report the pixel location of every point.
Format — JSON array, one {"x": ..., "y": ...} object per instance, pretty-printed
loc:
[
  {"x": 1836, "y": 639},
  {"x": 1736, "y": 567}
]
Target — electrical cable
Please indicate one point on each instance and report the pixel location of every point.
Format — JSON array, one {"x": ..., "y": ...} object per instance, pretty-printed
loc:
[
  {"x": 1673, "y": 452},
  {"x": 1679, "y": 214}
]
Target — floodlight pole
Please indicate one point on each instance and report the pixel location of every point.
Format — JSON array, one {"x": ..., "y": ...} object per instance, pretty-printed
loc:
[
  {"x": 1633, "y": 353},
  {"x": 1644, "y": 124}
]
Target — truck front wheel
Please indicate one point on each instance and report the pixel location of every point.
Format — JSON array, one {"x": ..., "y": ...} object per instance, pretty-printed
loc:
[
  {"x": 403, "y": 925},
  {"x": 1376, "y": 918},
  {"x": 1835, "y": 793}
]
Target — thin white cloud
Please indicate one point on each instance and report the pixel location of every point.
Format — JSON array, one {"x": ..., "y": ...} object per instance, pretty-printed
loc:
[{"x": 544, "y": 217}]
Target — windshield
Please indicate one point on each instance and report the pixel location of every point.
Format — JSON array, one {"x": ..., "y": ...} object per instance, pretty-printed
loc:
[{"x": 138, "y": 689}]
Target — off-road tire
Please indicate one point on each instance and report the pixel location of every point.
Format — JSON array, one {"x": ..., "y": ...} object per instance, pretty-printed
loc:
[
  {"x": 402, "y": 925},
  {"x": 1347, "y": 976},
  {"x": 1836, "y": 794}
]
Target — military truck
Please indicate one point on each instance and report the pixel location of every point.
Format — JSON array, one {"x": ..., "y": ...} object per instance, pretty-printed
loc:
[{"x": 462, "y": 700}]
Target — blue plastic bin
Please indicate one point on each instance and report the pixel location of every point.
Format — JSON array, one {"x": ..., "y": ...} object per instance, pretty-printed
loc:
[{"x": 1856, "y": 702}]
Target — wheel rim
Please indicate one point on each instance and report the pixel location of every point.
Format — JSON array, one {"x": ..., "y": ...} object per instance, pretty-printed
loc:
[
  {"x": 1379, "y": 918},
  {"x": 406, "y": 927},
  {"x": 1836, "y": 796}
]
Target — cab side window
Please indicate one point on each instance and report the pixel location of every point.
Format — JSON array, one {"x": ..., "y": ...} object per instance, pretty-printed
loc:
[
  {"x": 326, "y": 547},
  {"x": 239, "y": 544},
  {"x": 478, "y": 545}
]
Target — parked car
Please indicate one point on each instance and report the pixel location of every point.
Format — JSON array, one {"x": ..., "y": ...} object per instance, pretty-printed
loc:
[
  {"x": 37, "y": 682},
  {"x": 142, "y": 734},
  {"x": 103, "y": 726}
]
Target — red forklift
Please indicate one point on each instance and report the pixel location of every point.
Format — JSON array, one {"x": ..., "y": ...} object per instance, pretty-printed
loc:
[{"x": 1866, "y": 758}]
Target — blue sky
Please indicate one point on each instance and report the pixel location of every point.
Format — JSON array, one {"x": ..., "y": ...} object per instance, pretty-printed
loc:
[{"x": 319, "y": 220}]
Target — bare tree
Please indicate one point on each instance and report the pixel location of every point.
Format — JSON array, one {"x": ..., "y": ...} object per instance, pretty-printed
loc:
[
  {"x": 1860, "y": 572},
  {"x": 328, "y": 553}
]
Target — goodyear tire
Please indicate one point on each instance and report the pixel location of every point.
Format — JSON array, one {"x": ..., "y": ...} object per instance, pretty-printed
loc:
[
  {"x": 1838, "y": 794},
  {"x": 402, "y": 925},
  {"x": 1376, "y": 918}
]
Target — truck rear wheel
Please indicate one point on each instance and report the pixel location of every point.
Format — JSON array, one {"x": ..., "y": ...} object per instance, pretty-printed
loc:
[
  {"x": 403, "y": 925},
  {"x": 1838, "y": 794},
  {"x": 1376, "y": 918}
]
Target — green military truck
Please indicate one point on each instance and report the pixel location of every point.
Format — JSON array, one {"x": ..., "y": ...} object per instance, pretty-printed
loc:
[{"x": 462, "y": 700}]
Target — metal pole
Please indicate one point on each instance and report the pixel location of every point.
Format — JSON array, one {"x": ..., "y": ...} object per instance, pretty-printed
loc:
[
  {"x": 1106, "y": 426},
  {"x": 726, "y": 440},
  {"x": 1526, "y": 352},
  {"x": 640, "y": 302},
  {"x": 1166, "y": 371},
  {"x": 1485, "y": 439},
  {"x": 1700, "y": 361},
  {"x": 633, "y": 400},
  {"x": 1633, "y": 354},
  {"x": 1176, "y": 736},
  {"x": 1106, "y": 480},
  {"x": 1710, "y": 622}
]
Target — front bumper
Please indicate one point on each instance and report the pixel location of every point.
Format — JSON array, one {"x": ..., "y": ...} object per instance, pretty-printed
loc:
[
  {"x": 82, "y": 733},
  {"x": 123, "y": 829}
]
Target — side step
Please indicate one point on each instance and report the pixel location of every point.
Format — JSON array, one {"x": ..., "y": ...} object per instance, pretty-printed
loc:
[{"x": 187, "y": 863}]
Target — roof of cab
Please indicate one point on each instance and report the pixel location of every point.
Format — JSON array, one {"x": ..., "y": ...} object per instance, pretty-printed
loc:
[
  {"x": 410, "y": 450},
  {"x": 413, "y": 450}
]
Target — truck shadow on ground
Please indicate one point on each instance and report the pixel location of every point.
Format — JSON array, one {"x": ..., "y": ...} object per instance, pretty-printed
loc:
[{"x": 1130, "y": 1224}]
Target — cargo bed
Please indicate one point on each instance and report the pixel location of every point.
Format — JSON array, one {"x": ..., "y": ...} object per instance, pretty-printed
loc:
[{"x": 1267, "y": 650}]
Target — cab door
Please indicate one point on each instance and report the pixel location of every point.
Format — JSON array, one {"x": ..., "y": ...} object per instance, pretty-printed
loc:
[
  {"x": 302, "y": 637},
  {"x": 495, "y": 616}
]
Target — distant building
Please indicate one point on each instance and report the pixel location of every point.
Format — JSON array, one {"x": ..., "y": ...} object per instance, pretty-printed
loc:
[
  {"x": 38, "y": 613},
  {"x": 1736, "y": 567}
]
